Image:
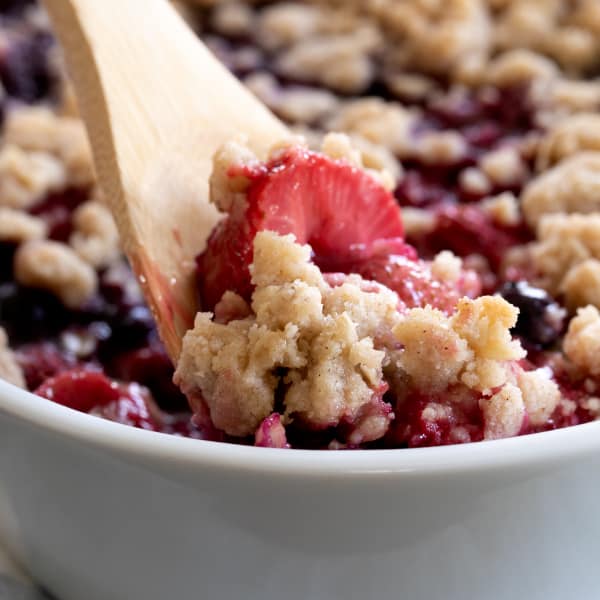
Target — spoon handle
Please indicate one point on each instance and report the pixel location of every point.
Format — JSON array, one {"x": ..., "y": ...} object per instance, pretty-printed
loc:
[{"x": 156, "y": 104}]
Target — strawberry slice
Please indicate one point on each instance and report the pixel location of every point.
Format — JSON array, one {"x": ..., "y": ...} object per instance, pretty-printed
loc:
[{"x": 329, "y": 204}]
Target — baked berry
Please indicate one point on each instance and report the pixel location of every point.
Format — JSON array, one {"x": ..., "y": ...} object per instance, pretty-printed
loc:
[
  {"x": 29, "y": 314},
  {"x": 42, "y": 360},
  {"x": 24, "y": 67},
  {"x": 91, "y": 391},
  {"x": 541, "y": 318},
  {"x": 468, "y": 230},
  {"x": 151, "y": 367}
]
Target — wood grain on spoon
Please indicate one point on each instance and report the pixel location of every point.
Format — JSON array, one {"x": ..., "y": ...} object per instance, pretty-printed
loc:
[{"x": 157, "y": 105}]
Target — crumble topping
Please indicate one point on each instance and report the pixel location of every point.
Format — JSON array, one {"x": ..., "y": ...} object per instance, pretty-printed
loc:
[
  {"x": 330, "y": 340},
  {"x": 565, "y": 241},
  {"x": 17, "y": 226},
  {"x": 504, "y": 413},
  {"x": 503, "y": 208},
  {"x": 26, "y": 177},
  {"x": 581, "y": 284},
  {"x": 383, "y": 123},
  {"x": 95, "y": 238},
  {"x": 541, "y": 394},
  {"x": 573, "y": 186},
  {"x": 55, "y": 267},
  {"x": 582, "y": 341},
  {"x": 38, "y": 129},
  {"x": 571, "y": 135}
]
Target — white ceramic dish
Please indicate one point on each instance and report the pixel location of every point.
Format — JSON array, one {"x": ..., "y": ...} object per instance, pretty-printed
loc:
[{"x": 100, "y": 511}]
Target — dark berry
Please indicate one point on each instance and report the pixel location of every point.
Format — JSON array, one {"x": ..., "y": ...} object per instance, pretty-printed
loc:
[
  {"x": 541, "y": 318},
  {"x": 24, "y": 68},
  {"x": 29, "y": 314},
  {"x": 14, "y": 8},
  {"x": 57, "y": 209}
]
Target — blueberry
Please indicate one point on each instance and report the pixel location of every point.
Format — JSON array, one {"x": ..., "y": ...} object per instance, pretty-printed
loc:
[
  {"x": 541, "y": 318},
  {"x": 24, "y": 68},
  {"x": 28, "y": 314}
]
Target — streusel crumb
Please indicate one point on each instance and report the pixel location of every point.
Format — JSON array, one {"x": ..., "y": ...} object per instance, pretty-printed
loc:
[
  {"x": 446, "y": 266},
  {"x": 95, "y": 237},
  {"x": 503, "y": 208},
  {"x": 39, "y": 129},
  {"x": 55, "y": 267},
  {"x": 581, "y": 284},
  {"x": 26, "y": 177},
  {"x": 383, "y": 123},
  {"x": 503, "y": 413},
  {"x": 340, "y": 146},
  {"x": 573, "y": 186},
  {"x": 576, "y": 133},
  {"x": 17, "y": 226},
  {"x": 433, "y": 354},
  {"x": 564, "y": 241},
  {"x": 541, "y": 394},
  {"x": 503, "y": 167},
  {"x": 582, "y": 341}
]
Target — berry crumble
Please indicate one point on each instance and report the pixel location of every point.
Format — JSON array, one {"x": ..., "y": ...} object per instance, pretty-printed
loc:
[{"x": 418, "y": 266}]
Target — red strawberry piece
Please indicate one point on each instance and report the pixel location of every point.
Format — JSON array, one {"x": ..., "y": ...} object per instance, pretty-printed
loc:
[
  {"x": 80, "y": 389},
  {"x": 91, "y": 391},
  {"x": 324, "y": 202},
  {"x": 134, "y": 407}
]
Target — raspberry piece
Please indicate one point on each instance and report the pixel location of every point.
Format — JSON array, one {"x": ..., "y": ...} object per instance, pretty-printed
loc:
[
  {"x": 468, "y": 230},
  {"x": 41, "y": 361},
  {"x": 91, "y": 391},
  {"x": 271, "y": 433},
  {"x": 151, "y": 367},
  {"x": 423, "y": 421},
  {"x": 324, "y": 202}
]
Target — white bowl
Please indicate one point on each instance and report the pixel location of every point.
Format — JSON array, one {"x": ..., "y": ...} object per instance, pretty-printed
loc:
[{"x": 97, "y": 510}]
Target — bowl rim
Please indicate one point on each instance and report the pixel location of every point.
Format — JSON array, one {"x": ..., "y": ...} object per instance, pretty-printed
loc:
[{"x": 535, "y": 450}]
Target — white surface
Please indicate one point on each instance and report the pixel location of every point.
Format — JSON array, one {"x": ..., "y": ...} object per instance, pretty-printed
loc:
[{"x": 105, "y": 511}]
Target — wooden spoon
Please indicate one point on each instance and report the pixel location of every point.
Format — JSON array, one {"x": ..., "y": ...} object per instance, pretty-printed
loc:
[{"x": 156, "y": 104}]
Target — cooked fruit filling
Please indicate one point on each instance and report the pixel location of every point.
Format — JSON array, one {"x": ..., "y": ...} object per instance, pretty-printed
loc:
[{"x": 427, "y": 274}]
